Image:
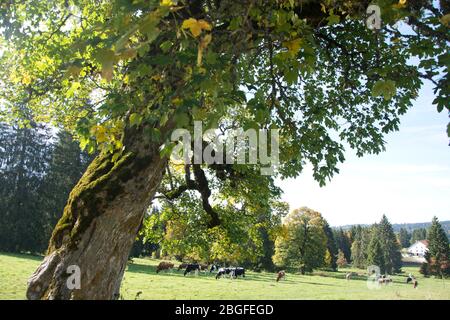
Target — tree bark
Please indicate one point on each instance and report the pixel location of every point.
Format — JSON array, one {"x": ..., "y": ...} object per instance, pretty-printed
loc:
[{"x": 100, "y": 223}]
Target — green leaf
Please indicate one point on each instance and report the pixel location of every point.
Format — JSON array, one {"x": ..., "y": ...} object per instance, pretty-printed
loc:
[
  {"x": 164, "y": 119},
  {"x": 385, "y": 88},
  {"x": 135, "y": 119},
  {"x": 333, "y": 19},
  {"x": 166, "y": 45},
  {"x": 84, "y": 142},
  {"x": 291, "y": 76},
  {"x": 166, "y": 149},
  {"x": 181, "y": 119},
  {"x": 106, "y": 58}
]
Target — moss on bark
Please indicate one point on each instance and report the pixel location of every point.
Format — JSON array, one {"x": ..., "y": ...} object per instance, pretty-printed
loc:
[{"x": 97, "y": 185}]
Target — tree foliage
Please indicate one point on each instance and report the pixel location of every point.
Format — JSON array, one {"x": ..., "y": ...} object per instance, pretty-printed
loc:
[
  {"x": 343, "y": 242},
  {"x": 341, "y": 261},
  {"x": 37, "y": 172},
  {"x": 438, "y": 255},
  {"x": 312, "y": 69},
  {"x": 418, "y": 234},
  {"x": 375, "y": 255},
  {"x": 404, "y": 238},
  {"x": 302, "y": 243},
  {"x": 359, "y": 249},
  {"x": 24, "y": 158},
  {"x": 332, "y": 250},
  {"x": 389, "y": 246}
]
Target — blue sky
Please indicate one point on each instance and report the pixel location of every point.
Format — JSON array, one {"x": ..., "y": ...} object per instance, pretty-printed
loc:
[{"x": 409, "y": 182}]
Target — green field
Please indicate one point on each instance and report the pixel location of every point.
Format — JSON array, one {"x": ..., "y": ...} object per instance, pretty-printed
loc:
[{"x": 141, "y": 276}]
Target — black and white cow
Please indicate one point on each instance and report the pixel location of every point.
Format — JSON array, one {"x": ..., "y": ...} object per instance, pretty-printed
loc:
[
  {"x": 191, "y": 267},
  {"x": 233, "y": 272},
  {"x": 239, "y": 271},
  {"x": 223, "y": 271}
]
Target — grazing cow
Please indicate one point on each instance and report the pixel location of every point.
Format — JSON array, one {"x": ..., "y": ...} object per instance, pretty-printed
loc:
[
  {"x": 281, "y": 275},
  {"x": 191, "y": 267},
  {"x": 164, "y": 266},
  {"x": 384, "y": 280},
  {"x": 223, "y": 271},
  {"x": 236, "y": 272}
]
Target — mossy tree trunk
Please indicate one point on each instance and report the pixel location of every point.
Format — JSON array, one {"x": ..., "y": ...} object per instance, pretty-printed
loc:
[{"x": 100, "y": 223}]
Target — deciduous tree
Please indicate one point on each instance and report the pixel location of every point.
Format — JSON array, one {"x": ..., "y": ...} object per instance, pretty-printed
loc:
[{"x": 302, "y": 243}]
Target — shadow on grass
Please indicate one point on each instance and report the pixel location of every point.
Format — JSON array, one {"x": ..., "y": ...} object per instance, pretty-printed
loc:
[
  {"x": 151, "y": 270},
  {"x": 24, "y": 256},
  {"x": 340, "y": 276}
]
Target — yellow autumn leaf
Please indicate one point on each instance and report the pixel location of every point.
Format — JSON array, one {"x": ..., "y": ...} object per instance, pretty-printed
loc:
[
  {"x": 204, "y": 25},
  {"x": 193, "y": 26},
  {"x": 401, "y": 4},
  {"x": 196, "y": 26},
  {"x": 293, "y": 46},
  {"x": 166, "y": 3},
  {"x": 26, "y": 79},
  {"x": 156, "y": 77},
  {"x": 177, "y": 101},
  {"x": 100, "y": 133}
]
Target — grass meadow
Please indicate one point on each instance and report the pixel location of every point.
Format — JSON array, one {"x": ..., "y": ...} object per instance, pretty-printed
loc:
[{"x": 141, "y": 277}]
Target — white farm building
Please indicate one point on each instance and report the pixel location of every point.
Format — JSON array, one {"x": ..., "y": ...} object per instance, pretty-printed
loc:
[{"x": 419, "y": 248}]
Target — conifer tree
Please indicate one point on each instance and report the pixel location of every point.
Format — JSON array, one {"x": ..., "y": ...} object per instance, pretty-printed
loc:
[
  {"x": 331, "y": 246},
  {"x": 439, "y": 252},
  {"x": 375, "y": 254},
  {"x": 23, "y": 162},
  {"x": 404, "y": 238}
]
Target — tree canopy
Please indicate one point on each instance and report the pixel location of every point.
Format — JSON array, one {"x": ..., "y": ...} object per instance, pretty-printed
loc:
[{"x": 312, "y": 69}]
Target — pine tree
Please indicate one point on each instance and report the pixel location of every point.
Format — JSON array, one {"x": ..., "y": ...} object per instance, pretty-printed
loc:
[
  {"x": 343, "y": 243},
  {"x": 425, "y": 267},
  {"x": 418, "y": 234},
  {"x": 331, "y": 246},
  {"x": 389, "y": 246},
  {"x": 24, "y": 159},
  {"x": 404, "y": 238},
  {"x": 359, "y": 247},
  {"x": 438, "y": 250},
  {"x": 375, "y": 254}
]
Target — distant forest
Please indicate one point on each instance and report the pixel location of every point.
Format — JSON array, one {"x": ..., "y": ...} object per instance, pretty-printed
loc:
[{"x": 410, "y": 227}]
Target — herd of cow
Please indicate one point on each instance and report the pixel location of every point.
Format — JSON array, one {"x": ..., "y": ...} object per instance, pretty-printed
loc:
[{"x": 233, "y": 272}]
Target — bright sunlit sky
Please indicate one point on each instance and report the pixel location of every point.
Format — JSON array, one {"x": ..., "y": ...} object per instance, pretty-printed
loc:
[{"x": 409, "y": 182}]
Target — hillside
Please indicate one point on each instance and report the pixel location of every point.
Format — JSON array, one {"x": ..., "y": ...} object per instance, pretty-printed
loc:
[{"x": 410, "y": 226}]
